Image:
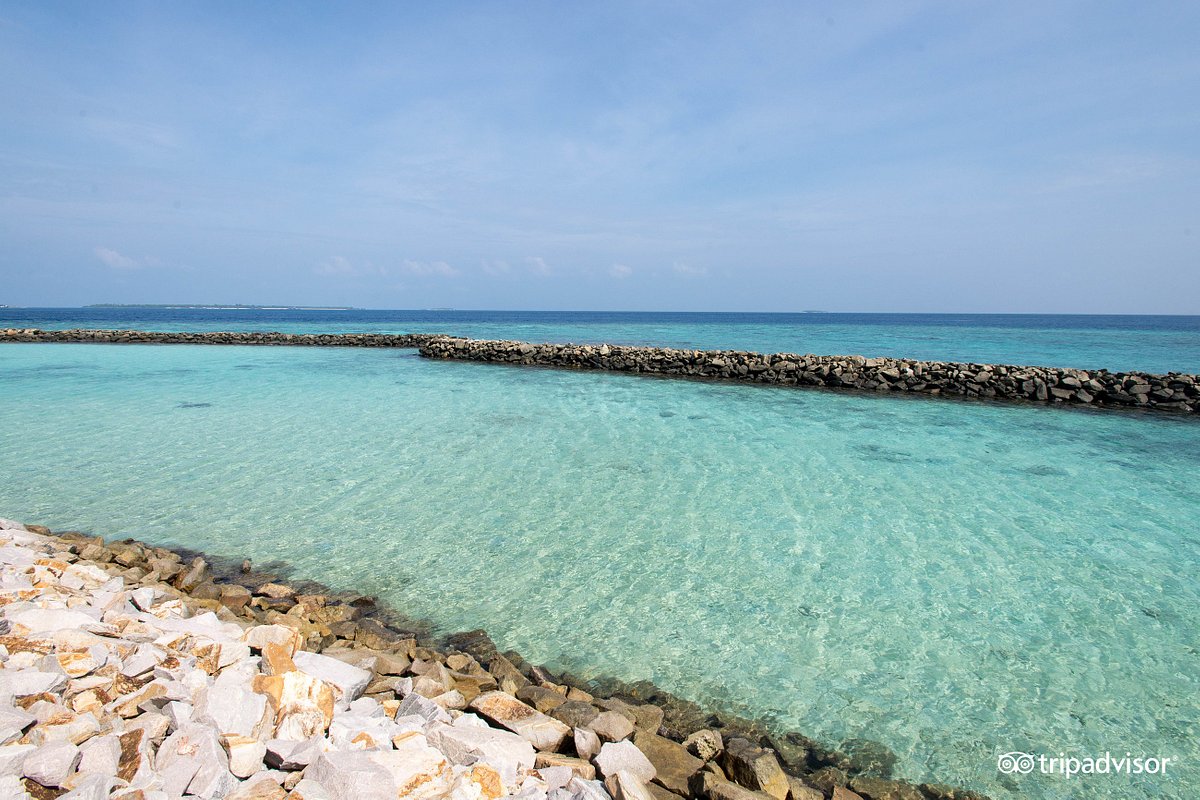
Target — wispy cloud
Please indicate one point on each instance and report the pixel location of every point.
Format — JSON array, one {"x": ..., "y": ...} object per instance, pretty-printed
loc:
[
  {"x": 495, "y": 267},
  {"x": 620, "y": 271},
  {"x": 538, "y": 266},
  {"x": 680, "y": 268},
  {"x": 429, "y": 268},
  {"x": 116, "y": 260}
]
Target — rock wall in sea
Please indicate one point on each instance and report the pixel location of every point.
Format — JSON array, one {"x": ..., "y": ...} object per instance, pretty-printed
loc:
[
  {"x": 218, "y": 337},
  {"x": 1096, "y": 388}
]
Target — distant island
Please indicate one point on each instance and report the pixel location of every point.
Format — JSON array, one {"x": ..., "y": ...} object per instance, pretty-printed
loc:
[{"x": 226, "y": 307}]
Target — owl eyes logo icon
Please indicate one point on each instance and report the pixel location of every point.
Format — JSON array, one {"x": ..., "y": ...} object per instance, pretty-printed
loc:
[{"x": 1015, "y": 762}]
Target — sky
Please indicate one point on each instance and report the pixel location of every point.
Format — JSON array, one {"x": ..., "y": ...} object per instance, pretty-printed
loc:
[{"x": 894, "y": 156}]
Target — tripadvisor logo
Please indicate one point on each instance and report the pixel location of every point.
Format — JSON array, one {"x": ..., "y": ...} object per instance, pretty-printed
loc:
[{"x": 1018, "y": 763}]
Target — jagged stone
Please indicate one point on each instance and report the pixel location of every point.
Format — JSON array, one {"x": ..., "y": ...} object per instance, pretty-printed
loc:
[
  {"x": 624, "y": 756},
  {"x": 541, "y": 731},
  {"x": 51, "y": 764},
  {"x": 611, "y": 726},
  {"x": 754, "y": 767},
  {"x": 673, "y": 765}
]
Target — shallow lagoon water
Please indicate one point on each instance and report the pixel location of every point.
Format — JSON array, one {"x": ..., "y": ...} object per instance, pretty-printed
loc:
[{"x": 952, "y": 579}]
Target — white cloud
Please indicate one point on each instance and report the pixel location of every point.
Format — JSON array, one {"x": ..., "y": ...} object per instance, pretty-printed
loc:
[
  {"x": 538, "y": 265},
  {"x": 424, "y": 268},
  {"x": 620, "y": 271},
  {"x": 118, "y": 261},
  {"x": 495, "y": 267},
  {"x": 680, "y": 268}
]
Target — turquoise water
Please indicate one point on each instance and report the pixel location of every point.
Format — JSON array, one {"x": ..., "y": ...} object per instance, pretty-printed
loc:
[
  {"x": 954, "y": 580},
  {"x": 1150, "y": 343}
]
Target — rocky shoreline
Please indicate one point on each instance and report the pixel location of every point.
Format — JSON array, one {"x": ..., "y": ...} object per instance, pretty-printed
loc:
[
  {"x": 135, "y": 672},
  {"x": 1100, "y": 389}
]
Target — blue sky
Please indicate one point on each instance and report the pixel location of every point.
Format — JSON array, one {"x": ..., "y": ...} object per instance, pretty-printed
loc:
[{"x": 899, "y": 156}]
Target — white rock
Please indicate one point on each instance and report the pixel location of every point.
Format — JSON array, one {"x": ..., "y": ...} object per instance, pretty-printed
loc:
[
  {"x": 587, "y": 790},
  {"x": 417, "y": 770},
  {"x": 290, "y": 755},
  {"x": 47, "y": 620},
  {"x": 360, "y": 732},
  {"x": 11, "y": 788},
  {"x": 192, "y": 760},
  {"x": 90, "y": 787},
  {"x": 144, "y": 659},
  {"x": 352, "y": 776},
  {"x": 308, "y": 789},
  {"x": 26, "y": 682},
  {"x": 416, "y": 705},
  {"x": 587, "y": 743},
  {"x": 178, "y": 713},
  {"x": 245, "y": 755},
  {"x": 556, "y": 777},
  {"x": 348, "y": 681},
  {"x": 543, "y": 732},
  {"x": 626, "y": 786},
  {"x": 154, "y": 726},
  {"x": 51, "y": 764},
  {"x": 507, "y": 753},
  {"x": 234, "y": 709},
  {"x": 624, "y": 756},
  {"x": 260, "y": 636},
  {"x": 12, "y": 758},
  {"x": 100, "y": 755},
  {"x": 13, "y": 720}
]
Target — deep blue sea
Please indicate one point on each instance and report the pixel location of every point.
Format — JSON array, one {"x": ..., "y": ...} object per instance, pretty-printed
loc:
[{"x": 953, "y": 580}]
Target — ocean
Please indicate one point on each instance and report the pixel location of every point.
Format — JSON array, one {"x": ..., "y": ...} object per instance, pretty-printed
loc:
[{"x": 952, "y": 580}]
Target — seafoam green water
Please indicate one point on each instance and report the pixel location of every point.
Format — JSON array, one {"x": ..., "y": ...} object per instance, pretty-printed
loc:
[{"x": 952, "y": 579}]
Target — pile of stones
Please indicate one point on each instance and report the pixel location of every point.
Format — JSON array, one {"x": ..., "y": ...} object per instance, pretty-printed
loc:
[
  {"x": 1094, "y": 388},
  {"x": 132, "y": 672}
]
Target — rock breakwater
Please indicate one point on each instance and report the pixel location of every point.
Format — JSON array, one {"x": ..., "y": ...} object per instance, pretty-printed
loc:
[
  {"x": 78, "y": 335},
  {"x": 1093, "y": 388},
  {"x": 133, "y": 672}
]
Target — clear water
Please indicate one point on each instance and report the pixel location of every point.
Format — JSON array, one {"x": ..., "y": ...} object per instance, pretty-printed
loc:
[
  {"x": 1150, "y": 343},
  {"x": 954, "y": 580}
]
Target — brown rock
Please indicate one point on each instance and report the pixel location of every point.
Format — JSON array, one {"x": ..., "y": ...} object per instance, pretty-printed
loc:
[
  {"x": 673, "y": 765},
  {"x": 577, "y": 765},
  {"x": 755, "y": 768},
  {"x": 544, "y": 700},
  {"x": 880, "y": 789}
]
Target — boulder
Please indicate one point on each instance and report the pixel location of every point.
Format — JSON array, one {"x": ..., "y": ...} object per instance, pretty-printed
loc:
[
  {"x": 576, "y": 766},
  {"x": 541, "y": 731},
  {"x": 624, "y": 756},
  {"x": 611, "y": 726},
  {"x": 348, "y": 681},
  {"x": 674, "y": 766},
  {"x": 626, "y": 786},
  {"x": 463, "y": 743},
  {"x": 192, "y": 761},
  {"x": 705, "y": 744},
  {"x": 51, "y": 764},
  {"x": 587, "y": 743},
  {"x": 302, "y": 705},
  {"x": 755, "y": 768}
]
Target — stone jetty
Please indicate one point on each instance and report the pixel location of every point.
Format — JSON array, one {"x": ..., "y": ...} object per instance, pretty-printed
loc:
[
  {"x": 1099, "y": 388},
  {"x": 1093, "y": 388},
  {"x": 86, "y": 336},
  {"x": 135, "y": 672}
]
